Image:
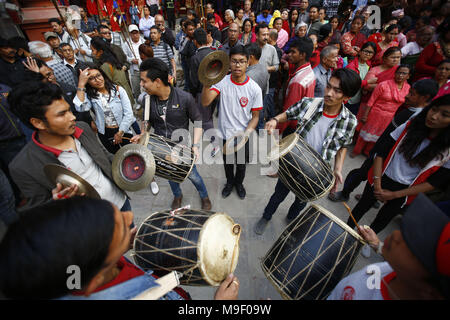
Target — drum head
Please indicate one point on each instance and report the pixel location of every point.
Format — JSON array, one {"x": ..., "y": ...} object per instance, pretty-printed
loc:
[
  {"x": 218, "y": 248},
  {"x": 144, "y": 139},
  {"x": 235, "y": 143},
  {"x": 133, "y": 167},
  {"x": 286, "y": 145}
]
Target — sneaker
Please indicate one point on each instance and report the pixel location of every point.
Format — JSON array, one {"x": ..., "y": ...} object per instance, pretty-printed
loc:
[
  {"x": 241, "y": 191},
  {"x": 338, "y": 196},
  {"x": 154, "y": 187},
  {"x": 365, "y": 252},
  {"x": 261, "y": 226},
  {"x": 215, "y": 151},
  {"x": 227, "y": 190}
]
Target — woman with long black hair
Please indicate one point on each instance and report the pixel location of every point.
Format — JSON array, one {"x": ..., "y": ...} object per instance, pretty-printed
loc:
[
  {"x": 415, "y": 160},
  {"x": 111, "y": 105},
  {"x": 110, "y": 65}
]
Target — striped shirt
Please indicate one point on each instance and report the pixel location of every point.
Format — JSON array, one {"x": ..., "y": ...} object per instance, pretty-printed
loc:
[
  {"x": 62, "y": 73},
  {"x": 339, "y": 134},
  {"x": 163, "y": 52}
]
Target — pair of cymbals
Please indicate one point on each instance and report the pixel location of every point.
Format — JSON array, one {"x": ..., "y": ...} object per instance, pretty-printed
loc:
[{"x": 213, "y": 68}]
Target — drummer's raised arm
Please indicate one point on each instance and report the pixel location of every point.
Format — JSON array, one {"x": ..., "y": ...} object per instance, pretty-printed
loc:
[{"x": 208, "y": 95}]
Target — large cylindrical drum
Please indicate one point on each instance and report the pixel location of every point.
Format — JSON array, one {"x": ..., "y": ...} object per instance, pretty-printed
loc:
[
  {"x": 301, "y": 169},
  {"x": 202, "y": 245},
  {"x": 314, "y": 252},
  {"x": 174, "y": 161}
]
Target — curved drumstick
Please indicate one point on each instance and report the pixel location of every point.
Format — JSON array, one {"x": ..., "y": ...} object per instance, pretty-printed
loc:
[{"x": 350, "y": 213}]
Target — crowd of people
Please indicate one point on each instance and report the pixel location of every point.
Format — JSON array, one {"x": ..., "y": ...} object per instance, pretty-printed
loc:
[{"x": 321, "y": 69}]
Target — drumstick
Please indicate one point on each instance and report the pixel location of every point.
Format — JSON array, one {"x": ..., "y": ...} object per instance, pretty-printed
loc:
[{"x": 350, "y": 213}]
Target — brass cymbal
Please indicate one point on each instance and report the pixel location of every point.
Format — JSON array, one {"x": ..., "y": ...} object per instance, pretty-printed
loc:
[
  {"x": 60, "y": 174},
  {"x": 213, "y": 67},
  {"x": 133, "y": 167}
]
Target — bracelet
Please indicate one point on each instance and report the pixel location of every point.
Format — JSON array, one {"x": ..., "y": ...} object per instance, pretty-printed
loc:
[
  {"x": 376, "y": 177},
  {"x": 275, "y": 119},
  {"x": 81, "y": 89}
]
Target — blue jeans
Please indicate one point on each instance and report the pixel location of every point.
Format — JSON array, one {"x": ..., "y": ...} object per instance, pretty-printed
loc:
[
  {"x": 281, "y": 192},
  {"x": 196, "y": 179},
  {"x": 261, "y": 115}
]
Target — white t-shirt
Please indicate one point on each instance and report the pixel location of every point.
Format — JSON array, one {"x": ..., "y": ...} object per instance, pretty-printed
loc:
[
  {"x": 398, "y": 169},
  {"x": 237, "y": 101},
  {"x": 365, "y": 284},
  {"x": 410, "y": 49},
  {"x": 318, "y": 132}
]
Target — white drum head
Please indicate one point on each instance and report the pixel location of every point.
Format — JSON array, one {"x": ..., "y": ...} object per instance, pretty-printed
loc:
[
  {"x": 286, "y": 144},
  {"x": 218, "y": 248}
]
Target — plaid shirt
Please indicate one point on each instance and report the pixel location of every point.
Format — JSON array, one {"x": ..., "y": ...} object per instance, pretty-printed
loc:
[
  {"x": 339, "y": 134},
  {"x": 331, "y": 7},
  {"x": 62, "y": 73}
]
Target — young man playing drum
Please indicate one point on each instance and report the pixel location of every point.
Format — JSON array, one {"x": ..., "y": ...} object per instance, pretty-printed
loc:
[
  {"x": 417, "y": 264},
  {"x": 240, "y": 101},
  {"x": 171, "y": 109},
  {"x": 58, "y": 139},
  {"x": 328, "y": 130}
]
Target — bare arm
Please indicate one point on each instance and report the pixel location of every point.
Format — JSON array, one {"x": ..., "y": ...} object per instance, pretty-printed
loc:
[
  {"x": 272, "y": 124},
  {"x": 208, "y": 96},
  {"x": 253, "y": 123},
  {"x": 338, "y": 164}
]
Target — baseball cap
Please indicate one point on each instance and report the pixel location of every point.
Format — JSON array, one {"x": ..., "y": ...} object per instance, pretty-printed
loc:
[
  {"x": 426, "y": 230},
  {"x": 132, "y": 28},
  {"x": 49, "y": 35}
]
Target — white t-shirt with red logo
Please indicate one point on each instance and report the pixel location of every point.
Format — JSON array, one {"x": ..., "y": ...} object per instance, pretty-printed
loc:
[
  {"x": 369, "y": 283},
  {"x": 237, "y": 101}
]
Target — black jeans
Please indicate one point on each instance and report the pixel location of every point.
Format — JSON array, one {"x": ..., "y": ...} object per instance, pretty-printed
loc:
[
  {"x": 356, "y": 176},
  {"x": 238, "y": 159},
  {"x": 387, "y": 212},
  {"x": 281, "y": 192}
]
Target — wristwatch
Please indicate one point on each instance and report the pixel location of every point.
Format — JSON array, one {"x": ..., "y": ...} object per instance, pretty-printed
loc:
[
  {"x": 81, "y": 89},
  {"x": 275, "y": 119}
]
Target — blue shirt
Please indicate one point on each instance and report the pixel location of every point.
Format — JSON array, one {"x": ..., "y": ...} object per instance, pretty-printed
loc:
[{"x": 261, "y": 18}]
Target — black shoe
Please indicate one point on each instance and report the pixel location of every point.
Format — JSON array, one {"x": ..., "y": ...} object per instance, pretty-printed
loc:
[
  {"x": 227, "y": 190},
  {"x": 241, "y": 191},
  {"x": 261, "y": 226},
  {"x": 338, "y": 196}
]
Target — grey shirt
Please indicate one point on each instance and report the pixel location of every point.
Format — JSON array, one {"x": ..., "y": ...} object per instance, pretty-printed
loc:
[
  {"x": 322, "y": 77},
  {"x": 269, "y": 58},
  {"x": 260, "y": 75}
]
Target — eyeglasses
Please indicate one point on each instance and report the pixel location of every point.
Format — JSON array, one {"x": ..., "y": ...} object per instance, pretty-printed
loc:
[
  {"x": 400, "y": 73},
  {"x": 368, "y": 51},
  {"x": 96, "y": 77},
  {"x": 238, "y": 62},
  {"x": 105, "y": 32}
]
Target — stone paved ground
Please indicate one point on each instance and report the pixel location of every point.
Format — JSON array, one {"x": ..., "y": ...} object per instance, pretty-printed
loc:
[{"x": 254, "y": 284}]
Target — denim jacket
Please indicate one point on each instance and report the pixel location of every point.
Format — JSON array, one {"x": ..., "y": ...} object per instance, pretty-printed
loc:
[
  {"x": 126, "y": 290},
  {"x": 120, "y": 106}
]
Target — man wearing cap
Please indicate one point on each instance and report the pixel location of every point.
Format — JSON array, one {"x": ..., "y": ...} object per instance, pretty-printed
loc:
[
  {"x": 134, "y": 58},
  {"x": 53, "y": 41},
  {"x": 417, "y": 260},
  {"x": 11, "y": 68}
]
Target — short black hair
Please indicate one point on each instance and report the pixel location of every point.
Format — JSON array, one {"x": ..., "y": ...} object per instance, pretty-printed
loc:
[
  {"x": 210, "y": 16},
  {"x": 65, "y": 44},
  {"x": 253, "y": 49},
  {"x": 102, "y": 26},
  {"x": 155, "y": 27},
  {"x": 50, "y": 238},
  {"x": 19, "y": 43},
  {"x": 259, "y": 26},
  {"x": 189, "y": 23},
  {"x": 304, "y": 45},
  {"x": 31, "y": 99},
  {"x": 55, "y": 20},
  {"x": 201, "y": 36},
  {"x": 426, "y": 87},
  {"x": 349, "y": 81},
  {"x": 314, "y": 6},
  {"x": 156, "y": 69},
  {"x": 238, "y": 49}
]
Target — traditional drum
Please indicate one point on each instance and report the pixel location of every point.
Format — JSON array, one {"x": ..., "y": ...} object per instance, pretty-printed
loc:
[
  {"x": 301, "y": 168},
  {"x": 312, "y": 255},
  {"x": 174, "y": 161},
  {"x": 202, "y": 245}
]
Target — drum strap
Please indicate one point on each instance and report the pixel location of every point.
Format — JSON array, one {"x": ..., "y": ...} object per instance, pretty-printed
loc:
[{"x": 311, "y": 110}]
